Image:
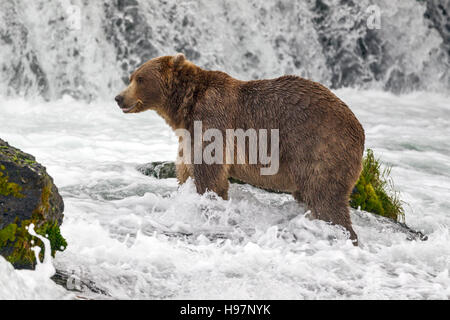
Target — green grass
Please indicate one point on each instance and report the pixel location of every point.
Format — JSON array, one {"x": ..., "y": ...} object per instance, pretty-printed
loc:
[{"x": 374, "y": 192}]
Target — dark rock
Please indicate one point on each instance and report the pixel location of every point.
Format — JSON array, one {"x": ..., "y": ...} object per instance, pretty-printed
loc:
[
  {"x": 384, "y": 224},
  {"x": 73, "y": 283},
  {"x": 159, "y": 170},
  {"x": 27, "y": 195},
  {"x": 166, "y": 170}
]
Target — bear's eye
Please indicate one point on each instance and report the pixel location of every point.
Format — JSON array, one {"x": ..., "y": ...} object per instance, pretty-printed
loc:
[{"x": 140, "y": 79}]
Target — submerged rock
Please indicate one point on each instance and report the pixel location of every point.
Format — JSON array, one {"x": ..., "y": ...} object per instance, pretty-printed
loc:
[
  {"x": 27, "y": 195},
  {"x": 167, "y": 170},
  {"x": 74, "y": 283},
  {"x": 159, "y": 170},
  {"x": 371, "y": 193}
]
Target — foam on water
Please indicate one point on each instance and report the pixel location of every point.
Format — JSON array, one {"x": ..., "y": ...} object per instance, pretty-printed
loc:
[{"x": 138, "y": 237}]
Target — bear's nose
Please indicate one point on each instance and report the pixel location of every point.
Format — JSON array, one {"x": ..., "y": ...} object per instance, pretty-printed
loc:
[{"x": 119, "y": 100}]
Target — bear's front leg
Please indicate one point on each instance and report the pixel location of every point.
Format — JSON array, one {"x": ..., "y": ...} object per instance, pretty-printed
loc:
[{"x": 212, "y": 177}]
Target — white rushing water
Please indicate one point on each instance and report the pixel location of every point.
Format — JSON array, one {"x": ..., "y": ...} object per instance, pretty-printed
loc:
[
  {"x": 138, "y": 237},
  {"x": 85, "y": 48},
  {"x": 133, "y": 236}
]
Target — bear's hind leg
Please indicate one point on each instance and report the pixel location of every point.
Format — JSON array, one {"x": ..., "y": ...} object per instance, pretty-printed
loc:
[
  {"x": 212, "y": 178},
  {"x": 332, "y": 207}
]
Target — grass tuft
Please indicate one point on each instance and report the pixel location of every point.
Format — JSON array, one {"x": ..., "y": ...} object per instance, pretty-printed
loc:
[{"x": 374, "y": 192}]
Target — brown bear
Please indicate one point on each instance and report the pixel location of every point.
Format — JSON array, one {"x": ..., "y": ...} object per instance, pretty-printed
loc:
[{"x": 321, "y": 143}]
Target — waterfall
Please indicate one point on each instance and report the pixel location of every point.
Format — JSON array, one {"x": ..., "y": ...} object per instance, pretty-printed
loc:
[{"x": 88, "y": 49}]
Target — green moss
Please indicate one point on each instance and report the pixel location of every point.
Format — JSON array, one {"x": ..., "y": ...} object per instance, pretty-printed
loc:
[
  {"x": 8, "y": 234},
  {"x": 20, "y": 241},
  {"x": 53, "y": 233},
  {"x": 9, "y": 188},
  {"x": 17, "y": 156},
  {"x": 21, "y": 254},
  {"x": 44, "y": 204},
  {"x": 15, "y": 239},
  {"x": 374, "y": 191},
  {"x": 21, "y": 158},
  {"x": 29, "y": 162}
]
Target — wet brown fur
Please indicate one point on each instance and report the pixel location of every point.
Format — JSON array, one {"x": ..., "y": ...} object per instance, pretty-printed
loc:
[{"x": 321, "y": 141}]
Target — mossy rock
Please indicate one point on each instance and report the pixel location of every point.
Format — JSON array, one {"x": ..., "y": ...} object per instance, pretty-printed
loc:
[
  {"x": 159, "y": 170},
  {"x": 27, "y": 195}
]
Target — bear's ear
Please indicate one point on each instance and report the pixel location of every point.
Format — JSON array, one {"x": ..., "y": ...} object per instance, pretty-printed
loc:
[{"x": 178, "y": 61}]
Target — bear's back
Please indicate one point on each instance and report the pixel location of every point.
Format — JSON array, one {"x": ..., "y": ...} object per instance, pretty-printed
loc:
[{"x": 292, "y": 100}]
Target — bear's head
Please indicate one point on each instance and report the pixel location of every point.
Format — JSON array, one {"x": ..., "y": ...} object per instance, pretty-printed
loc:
[{"x": 151, "y": 85}]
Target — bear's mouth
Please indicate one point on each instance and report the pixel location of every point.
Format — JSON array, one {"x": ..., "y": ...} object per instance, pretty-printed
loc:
[{"x": 132, "y": 108}]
